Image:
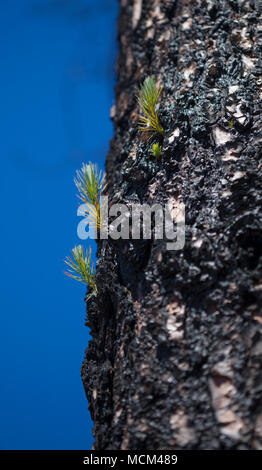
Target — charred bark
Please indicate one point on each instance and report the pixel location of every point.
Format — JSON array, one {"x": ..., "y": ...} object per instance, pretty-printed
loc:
[{"x": 175, "y": 357}]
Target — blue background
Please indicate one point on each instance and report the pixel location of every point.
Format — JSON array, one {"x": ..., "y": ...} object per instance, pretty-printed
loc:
[{"x": 56, "y": 89}]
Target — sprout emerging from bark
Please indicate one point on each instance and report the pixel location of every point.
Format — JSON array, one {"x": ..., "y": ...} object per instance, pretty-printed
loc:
[
  {"x": 156, "y": 150},
  {"x": 148, "y": 96},
  {"x": 81, "y": 267},
  {"x": 90, "y": 184}
]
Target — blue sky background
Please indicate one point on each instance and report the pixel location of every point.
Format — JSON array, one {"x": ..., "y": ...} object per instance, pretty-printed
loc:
[{"x": 56, "y": 89}]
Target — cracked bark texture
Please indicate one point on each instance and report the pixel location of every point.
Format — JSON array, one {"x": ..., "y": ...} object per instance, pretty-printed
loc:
[{"x": 175, "y": 356}]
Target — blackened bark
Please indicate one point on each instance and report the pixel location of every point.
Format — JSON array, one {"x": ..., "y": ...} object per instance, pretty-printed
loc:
[{"x": 175, "y": 360}]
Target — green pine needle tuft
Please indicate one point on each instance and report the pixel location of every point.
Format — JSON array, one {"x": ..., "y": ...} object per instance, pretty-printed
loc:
[
  {"x": 81, "y": 267},
  {"x": 148, "y": 97},
  {"x": 90, "y": 184},
  {"x": 156, "y": 150}
]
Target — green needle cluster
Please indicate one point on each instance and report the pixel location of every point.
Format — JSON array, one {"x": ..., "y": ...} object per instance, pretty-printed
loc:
[
  {"x": 148, "y": 97},
  {"x": 90, "y": 184},
  {"x": 81, "y": 267},
  {"x": 156, "y": 150}
]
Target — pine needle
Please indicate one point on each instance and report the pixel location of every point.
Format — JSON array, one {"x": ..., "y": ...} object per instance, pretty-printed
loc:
[
  {"x": 148, "y": 97},
  {"x": 90, "y": 184},
  {"x": 81, "y": 267}
]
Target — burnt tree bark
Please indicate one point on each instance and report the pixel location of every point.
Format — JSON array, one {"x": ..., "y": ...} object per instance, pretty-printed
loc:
[{"x": 175, "y": 357}]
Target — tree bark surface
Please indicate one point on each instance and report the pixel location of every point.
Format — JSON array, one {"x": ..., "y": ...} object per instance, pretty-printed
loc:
[{"x": 175, "y": 359}]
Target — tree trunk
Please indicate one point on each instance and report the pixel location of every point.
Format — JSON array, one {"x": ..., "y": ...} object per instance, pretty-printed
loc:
[{"x": 175, "y": 357}]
